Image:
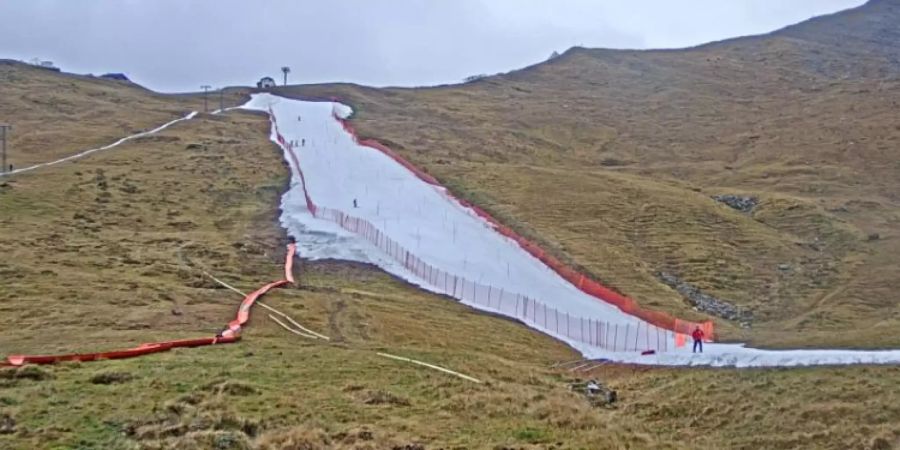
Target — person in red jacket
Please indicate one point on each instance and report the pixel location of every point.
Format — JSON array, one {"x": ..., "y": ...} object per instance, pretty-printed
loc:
[{"x": 698, "y": 339}]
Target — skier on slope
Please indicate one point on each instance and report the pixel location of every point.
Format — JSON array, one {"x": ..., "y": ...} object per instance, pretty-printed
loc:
[{"x": 698, "y": 339}]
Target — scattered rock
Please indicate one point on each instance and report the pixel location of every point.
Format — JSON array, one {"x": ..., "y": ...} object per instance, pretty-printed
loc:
[
  {"x": 742, "y": 204},
  {"x": 176, "y": 312},
  {"x": 224, "y": 440},
  {"x": 705, "y": 302},
  {"x": 7, "y": 424},
  {"x": 596, "y": 393},
  {"x": 413, "y": 446},
  {"x": 873, "y": 237},
  {"x": 784, "y": 267},
  {"x": 111, "y": 378}
]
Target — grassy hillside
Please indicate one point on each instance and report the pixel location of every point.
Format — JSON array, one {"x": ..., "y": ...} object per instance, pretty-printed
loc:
[
  {"x": 611, "y": 159},
  {"x": 85, "y": 112},
  {"x": 107, "y": 251}
]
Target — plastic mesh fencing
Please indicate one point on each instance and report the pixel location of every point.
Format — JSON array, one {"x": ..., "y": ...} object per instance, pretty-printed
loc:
[
  {"x": 583, "y": 282},
  {"x": 657, "y": 334},
  {"x": 590, "y": 332}
]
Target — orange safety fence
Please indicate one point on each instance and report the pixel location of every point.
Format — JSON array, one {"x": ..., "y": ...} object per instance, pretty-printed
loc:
[
  {"x": 232, "y": 333},
  {"x": 610, "y": 336},
  {"x": 583, "y": 282}
]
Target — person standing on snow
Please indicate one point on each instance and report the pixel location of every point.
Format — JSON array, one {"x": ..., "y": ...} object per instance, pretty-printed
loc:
[{"x": 698, "y": 339}]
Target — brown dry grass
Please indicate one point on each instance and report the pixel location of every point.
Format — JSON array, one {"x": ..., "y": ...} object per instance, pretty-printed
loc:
[
  {"x": 95, "y": 261},
  {"x": 85, "y": 112},
  {"x": 108, "y": 230}
]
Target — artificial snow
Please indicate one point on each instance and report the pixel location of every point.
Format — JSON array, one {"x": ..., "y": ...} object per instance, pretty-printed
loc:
[{"x": 431, "y": 224}]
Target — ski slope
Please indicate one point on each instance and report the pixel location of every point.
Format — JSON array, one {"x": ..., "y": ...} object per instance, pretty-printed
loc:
[{"x": 365, "y": 183}]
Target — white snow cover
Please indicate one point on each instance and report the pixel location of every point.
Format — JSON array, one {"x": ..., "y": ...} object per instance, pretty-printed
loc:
[
  {"x": 189, "y": 116},
  {"x": 431, "y": 224}
]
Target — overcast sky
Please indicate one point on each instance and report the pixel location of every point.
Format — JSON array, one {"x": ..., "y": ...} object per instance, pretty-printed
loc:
[{"x": 178, "y": 45}]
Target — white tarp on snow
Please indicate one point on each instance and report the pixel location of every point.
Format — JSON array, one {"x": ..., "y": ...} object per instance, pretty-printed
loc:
[{"x": 429, "y": 223}]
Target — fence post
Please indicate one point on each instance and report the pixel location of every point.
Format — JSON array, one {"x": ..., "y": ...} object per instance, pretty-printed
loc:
[
  {"x": 592, "y": 333},
  {"x": 616, "y": 338},
  {"x": 637, "y": 336},
  {"x": 526, "y": 301},
  {"x": 658, "y": 347},
  {"x": 581, "y": 327},
  {"x": 627, "y": 333},
  {"x": 606, "y": 335},
  {"x": 598, "y": 330}
]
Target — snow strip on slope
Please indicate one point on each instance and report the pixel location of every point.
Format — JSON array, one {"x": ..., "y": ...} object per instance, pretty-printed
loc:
[{"x": 431, "y": 224}]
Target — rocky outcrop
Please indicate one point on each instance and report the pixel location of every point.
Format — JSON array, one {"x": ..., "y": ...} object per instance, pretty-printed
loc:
[
  {"x": 705, "y": 302},
  {"x": 597, "y": 394},
  {"x": 740, "y": 203}
]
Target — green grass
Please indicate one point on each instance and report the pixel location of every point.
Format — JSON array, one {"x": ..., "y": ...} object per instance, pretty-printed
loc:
[{"x": 100, "y": 252}]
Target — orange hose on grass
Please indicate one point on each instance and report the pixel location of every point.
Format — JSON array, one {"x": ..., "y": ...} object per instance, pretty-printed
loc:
[{"x": 232, "y": 333}]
